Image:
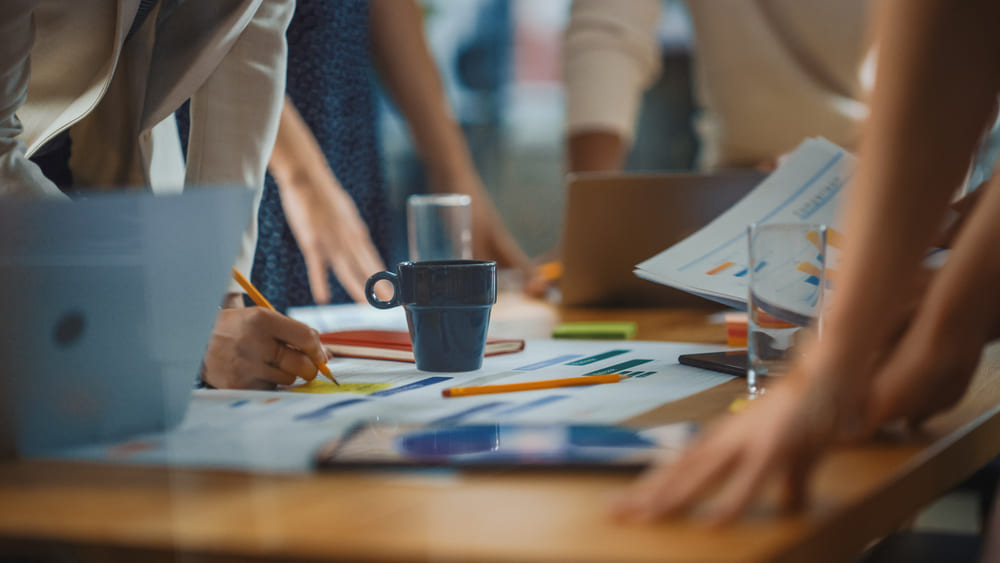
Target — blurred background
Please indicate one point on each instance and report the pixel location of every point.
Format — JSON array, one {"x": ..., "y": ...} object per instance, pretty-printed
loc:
[{"x": 500, "y": 62}]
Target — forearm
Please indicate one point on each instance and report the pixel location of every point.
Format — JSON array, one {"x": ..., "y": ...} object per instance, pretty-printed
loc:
[
  {"x": 595, "y": 151},
  {"x": 297, "y": 162},
  {"x": 964, "y": 299},
  {"x": 411, "y": 77},
  {"x": 610, "y": 55},
  {"x": 936, "y": 83}
]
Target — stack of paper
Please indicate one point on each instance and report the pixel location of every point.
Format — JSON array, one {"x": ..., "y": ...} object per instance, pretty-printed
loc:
[{"x": 713, "y": 262}]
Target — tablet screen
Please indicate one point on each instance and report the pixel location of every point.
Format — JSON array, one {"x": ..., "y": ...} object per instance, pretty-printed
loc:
[{"x": 504, "y": 445}]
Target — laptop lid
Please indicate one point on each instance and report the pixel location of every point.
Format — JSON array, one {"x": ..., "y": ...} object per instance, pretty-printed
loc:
[
  {"x": 614, "y": 221},
  {"x": 108, "y": 303}
]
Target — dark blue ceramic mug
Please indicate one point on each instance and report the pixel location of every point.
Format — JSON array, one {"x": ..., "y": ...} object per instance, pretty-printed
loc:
[{"x": 447, "y": 304}]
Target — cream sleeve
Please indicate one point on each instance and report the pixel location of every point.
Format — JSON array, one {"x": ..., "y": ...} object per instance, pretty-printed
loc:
[
  {"x": 234, "y": 115},
  {"x": 610, "y": 56},
  {"x": 18, "y": 175}
]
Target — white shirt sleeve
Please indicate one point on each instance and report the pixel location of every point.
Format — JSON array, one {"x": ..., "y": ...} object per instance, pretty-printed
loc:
[
  {"x": 610, "y": 56},
  {"x": 18, "y": 175}
]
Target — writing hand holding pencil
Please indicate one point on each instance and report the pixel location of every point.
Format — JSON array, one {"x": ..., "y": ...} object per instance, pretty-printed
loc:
[{"x": 259, "y": 348}]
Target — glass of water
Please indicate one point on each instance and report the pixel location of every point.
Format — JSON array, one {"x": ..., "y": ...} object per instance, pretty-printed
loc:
[
  {"x": 787, "y": 273},
  {"x": 439, "y": 227}
]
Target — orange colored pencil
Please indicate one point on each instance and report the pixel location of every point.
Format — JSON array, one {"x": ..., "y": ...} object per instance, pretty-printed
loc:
[
  {"x": 262, "y": 301},
  {"x": 532, "y": 385}
]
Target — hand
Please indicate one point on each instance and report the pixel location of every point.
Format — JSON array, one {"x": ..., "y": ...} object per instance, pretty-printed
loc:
[
  {"x": 777, "y": 437},
  {"x": 928, "y": 371},
  {"x": 491, "y": 240},
  {"x": 322, "y": 216},
  {"x": 546, "y": 274},
  {"x": 331, "y": 235},
  {"x": 490, "y": 237},
  {"x": 256, "y": 348}
]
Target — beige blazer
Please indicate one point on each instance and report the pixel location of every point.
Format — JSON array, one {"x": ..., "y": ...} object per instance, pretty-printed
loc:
[{"x": 66, "y": 63}]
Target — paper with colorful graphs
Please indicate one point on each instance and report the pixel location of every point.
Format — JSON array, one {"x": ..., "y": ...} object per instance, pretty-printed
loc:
[{"x": 805, "y": 188}]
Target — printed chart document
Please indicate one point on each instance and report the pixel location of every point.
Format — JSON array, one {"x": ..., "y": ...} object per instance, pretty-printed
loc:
[
  {"x": 713, "y": 262},
  {"x": 281, "y": 430}
]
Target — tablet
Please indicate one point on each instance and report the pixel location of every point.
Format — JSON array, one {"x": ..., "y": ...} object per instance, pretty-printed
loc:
[{"x": 487, "y": 445}]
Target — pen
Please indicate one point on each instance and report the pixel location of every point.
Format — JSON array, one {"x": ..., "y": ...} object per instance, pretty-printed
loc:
[
  {"x": 531, "y": 385},
  {"x": 262, "y": 301}
]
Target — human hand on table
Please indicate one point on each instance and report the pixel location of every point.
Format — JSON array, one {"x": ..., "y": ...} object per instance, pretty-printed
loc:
[
  {"x": 256, "y": 348},
  {"x": 833, "y": 393},
  {"x": 777, "y": 438},
  {"x": 491, "y": 240}
]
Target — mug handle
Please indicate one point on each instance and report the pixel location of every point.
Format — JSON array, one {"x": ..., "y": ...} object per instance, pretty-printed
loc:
[{"x": 370, "y": 290}]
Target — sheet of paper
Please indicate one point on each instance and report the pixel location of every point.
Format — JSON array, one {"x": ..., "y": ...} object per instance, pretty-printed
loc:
[
  {"x": 281, "y": 430},
  {"x": 713, "y": 261},
  {"x": 349, "y": 316}
]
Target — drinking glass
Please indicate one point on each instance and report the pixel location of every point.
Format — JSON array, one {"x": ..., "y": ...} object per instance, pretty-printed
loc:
[
  {"x": 439, "y": 227},
  {"x": 786, "y": 286}
]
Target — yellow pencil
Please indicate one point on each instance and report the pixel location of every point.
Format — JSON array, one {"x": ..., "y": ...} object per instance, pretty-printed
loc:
[
  {"x": 262, "y": 301},
  {"x": 531, "y": 385}
]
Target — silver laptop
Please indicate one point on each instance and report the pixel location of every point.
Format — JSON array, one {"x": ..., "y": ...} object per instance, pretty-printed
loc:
[
  {"x": 107, "y": 305},
  {"x": 614, "y": 221}
]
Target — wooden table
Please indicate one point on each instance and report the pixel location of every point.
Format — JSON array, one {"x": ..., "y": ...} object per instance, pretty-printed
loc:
[{"x": 121, "y": 513}]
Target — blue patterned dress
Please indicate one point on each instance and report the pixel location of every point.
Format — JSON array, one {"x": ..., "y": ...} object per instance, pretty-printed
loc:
[{"x": 330, "y": 82}]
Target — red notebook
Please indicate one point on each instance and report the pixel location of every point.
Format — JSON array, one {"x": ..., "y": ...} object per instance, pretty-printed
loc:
[{"x": 396, "y": 345}]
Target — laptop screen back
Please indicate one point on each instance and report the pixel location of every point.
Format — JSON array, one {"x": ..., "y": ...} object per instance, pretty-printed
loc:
[
  {"x": 614, "y": 221},
  {"x": 108, "y": 305}
]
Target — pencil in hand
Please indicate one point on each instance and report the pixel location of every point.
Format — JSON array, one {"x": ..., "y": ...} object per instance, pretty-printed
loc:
[
  {"x": 532, "y": 385},
  {"x": 261, "y": 301}
]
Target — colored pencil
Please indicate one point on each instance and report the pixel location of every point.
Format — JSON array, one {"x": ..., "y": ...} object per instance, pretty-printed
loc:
[
  {"x": 532, "y": 385},
  {"x": 262, "y": 301}
]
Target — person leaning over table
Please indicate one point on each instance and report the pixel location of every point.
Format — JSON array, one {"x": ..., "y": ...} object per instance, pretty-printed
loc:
[
  {"x": 325, "y": 205},
  {"x": 767, "y": 75},
  {"x": 885, "y": 355},
  {"x": 81, "y": 84}
]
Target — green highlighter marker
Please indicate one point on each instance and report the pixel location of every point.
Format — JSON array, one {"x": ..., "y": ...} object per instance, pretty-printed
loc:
[{"x": 597, "y": 330}]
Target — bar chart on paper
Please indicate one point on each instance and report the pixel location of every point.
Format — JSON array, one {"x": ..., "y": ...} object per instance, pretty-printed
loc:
[
  {"x": 280, "y": 430},
  {"x": 714, "y": 261}
]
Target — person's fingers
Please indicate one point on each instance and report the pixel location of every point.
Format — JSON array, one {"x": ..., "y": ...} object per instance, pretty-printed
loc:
[
  {"x": 251, "y": 373},
  {"x": 537, "y": 286},
  {"x": 270, "y": 376},
  {"x": 293, "y": 363},
  {"x": 889, "y": 400},
  {"x": 350, "y": 277},
  {"x": 354, "y": 264},
  {"x": 915, "y": 386},
  {"x": 354, "y": 271},
  {"x": 291, "y": 332},
  {"x": 369, "y": 258},
  {"x": 367, "y": 264},
  {"x": 743, "y": 485},
  {"x": 795, "y": 485},
  {"x": 669, "y": 489},
  {"x": 713, "y": 467},
  {"x": 506, "y": 250},
  {"x": 316, "y": 270}
]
